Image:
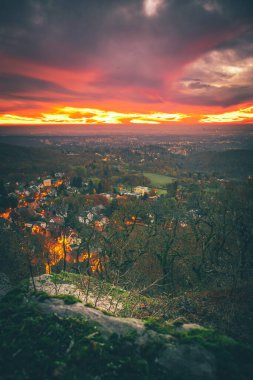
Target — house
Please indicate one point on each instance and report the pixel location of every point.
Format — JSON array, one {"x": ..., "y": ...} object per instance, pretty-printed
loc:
[
  {"x": 28, "y": 225},
  {"x": 52, "y": 193},
  {"x": 47, "y": 182},
  {"x": 59, "y": 175},
  {"x": 34, "y": 189},
  {"x": 43, "y": 224},
  {"x": 89, "y": 218},
  {"x": 141, "y": 190},
  {"x": 57, "y": 220},
  {"x": 97, "y": 210},
  {"x": 107, "y": 196},
  {"x": 81, "y": 219}
]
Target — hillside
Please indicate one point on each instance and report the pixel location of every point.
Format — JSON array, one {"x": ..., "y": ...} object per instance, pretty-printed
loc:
[
  {"x": 231, "y": 163},
  {"x": 59, "y": 337},
  {"x": 31, "y": 161}
]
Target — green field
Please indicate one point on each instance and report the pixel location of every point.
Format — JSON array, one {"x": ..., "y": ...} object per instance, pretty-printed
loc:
[
  {"x": 159, "y": 180},
  {"x": 161, "y": 191}
]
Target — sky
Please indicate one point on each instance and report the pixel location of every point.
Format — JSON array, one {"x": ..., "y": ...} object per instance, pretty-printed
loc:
[{"x": 129, "y": 62}]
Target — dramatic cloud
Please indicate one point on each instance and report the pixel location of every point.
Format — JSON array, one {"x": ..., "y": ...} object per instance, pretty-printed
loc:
[
  {"x": 240, "y": 115},
  {"x": 221, "y": 77},
  {"x": 135, "y": 56},
  {"x": 152, "y": 7},
  {"x": 75, "y": 115}
]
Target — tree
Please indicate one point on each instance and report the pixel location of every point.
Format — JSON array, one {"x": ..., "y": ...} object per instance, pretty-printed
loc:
[
  {"x": 77, "y": 182},
  {"x": 172, "y": 189},
  {"x": 90, "y": 187}
]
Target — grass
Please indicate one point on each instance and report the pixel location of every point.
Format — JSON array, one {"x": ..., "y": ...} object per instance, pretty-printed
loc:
[
  {"x": 161, "y": 192},
  {"x": 158, "y": 180}
]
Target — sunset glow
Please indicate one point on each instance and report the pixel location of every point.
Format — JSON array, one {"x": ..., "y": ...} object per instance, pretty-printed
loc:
[
  {"x": 72, "y": 115},
  {"x": 242, "y": 115}
]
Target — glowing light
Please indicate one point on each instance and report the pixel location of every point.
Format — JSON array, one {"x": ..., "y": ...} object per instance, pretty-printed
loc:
[
  {"x": 48, "y": 269},
  {"x": 95, "y": 262},
  {"x": 58, "y": 183},
  {"x": 15, "y": 119},
  {"x": 133, "y": 221},
  {"x": 6, "y": 214},
  {"x": 75, "y": 115},
  {"x": 56, "y": 251},
  {"x": 37, "y": 230},
  {"x": 243, "y": 114}
]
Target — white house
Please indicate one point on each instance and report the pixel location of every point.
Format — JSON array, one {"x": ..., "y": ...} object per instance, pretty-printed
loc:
[{"x": 141, "y": 190}]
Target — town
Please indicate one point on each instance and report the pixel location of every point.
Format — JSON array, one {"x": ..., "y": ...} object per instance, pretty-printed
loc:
[{"x": 151, "y": 198}]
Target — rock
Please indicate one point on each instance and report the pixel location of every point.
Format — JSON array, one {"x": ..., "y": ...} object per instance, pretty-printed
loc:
[
  {"x": 108, "y": 324},
  {"x": 191, "y": 326},
  {"x": 180, "y": 361},
  {"x": 187, "y": 361},
  {"x": 46, "y": 284}
]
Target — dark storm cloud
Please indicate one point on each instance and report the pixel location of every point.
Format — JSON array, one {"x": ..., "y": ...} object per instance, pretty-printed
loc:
[
  {"x": 73, "y": 33},
  {"x": 128, "y": 47},
  {"x": 21, "y": 87},
  {"x": 10, "y": 84}
]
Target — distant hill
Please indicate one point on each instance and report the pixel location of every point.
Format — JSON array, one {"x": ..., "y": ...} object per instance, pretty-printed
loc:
[
  {"x": 232, "y": 163},
  {"x": 20, "y": 162}
]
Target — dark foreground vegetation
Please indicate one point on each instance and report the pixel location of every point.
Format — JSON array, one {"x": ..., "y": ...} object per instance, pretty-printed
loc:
[{"x": 37, "y": 346}]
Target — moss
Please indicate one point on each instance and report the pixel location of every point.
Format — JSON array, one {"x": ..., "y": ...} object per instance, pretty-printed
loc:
[
  {"x": 105, "y": 312},
  {"x": 65, "y": 278},
  {"x": 232, "y": 357},
  {"x": 67, "y": 298},
  {"x": 206, "y": 337},
  {"x": 89, "y": 304},
  {"x": 178, "y": 321},
  {"x": 41, "y": 296},
  {"x": 15, "y": 296},
  {"x": 157, "y": 324}
]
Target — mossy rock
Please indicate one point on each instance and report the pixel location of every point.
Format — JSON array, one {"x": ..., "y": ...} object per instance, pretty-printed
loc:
[
  {"x": 46, "y": 346},
  {"x": 68, "y": 299}
]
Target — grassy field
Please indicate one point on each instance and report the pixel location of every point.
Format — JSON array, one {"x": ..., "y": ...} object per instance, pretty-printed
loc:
[
  {"x": 161, "y": 191},
  {"x": 159, "y": 180}
]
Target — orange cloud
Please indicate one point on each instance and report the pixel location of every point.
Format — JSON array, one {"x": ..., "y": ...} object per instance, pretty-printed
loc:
[
  {"x": 75, "y": 115},
  {"x": 241, "y": 115},
  {"x": 78, "y": 115},
  {"x": 15, "y": 119}
]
